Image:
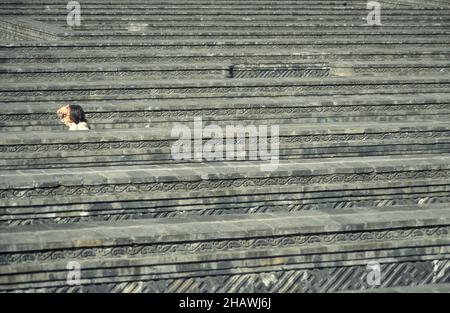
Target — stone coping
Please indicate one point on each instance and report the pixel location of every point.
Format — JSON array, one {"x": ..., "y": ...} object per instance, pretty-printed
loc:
[
  {"x": 254, "y": 102},
  {"x": 151, "y": 55},
  {"x": 50, "y": 178},
  {"x": 218, "y": 227},
  {"x": 138, "y": 67}
]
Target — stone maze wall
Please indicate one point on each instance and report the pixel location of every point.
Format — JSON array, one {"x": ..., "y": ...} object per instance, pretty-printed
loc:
[{"x": 360, "y": 197}]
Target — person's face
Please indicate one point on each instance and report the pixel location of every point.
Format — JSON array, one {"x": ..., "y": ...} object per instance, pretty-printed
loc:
[{"x": 64, "y": 115}]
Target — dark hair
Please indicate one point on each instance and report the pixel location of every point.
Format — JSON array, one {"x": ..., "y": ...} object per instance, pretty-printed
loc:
[{"x": 77, "y": 114}]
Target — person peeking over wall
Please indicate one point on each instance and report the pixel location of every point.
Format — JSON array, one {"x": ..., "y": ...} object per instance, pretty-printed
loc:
[{"x": 73, "y": 116}]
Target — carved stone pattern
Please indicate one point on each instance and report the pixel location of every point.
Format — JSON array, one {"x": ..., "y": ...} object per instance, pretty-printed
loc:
[
  {"x": 292, "y": 206},
  {"x": 231, "y": 112},
  {"x": 19, "y": 32},
  {"x": 87, "y": 146},
  {"x": 222, "y": 58},
  {"x": 281, "y": 73},
  {"x": 7, "y": 35},
  {"x": 214, "y": 90},
  {"x": 170, "y": 73},
  {"x": 122, "y": 73},
  {"x": 224, "y": 245},
  {"x": 167, "y": 143}
]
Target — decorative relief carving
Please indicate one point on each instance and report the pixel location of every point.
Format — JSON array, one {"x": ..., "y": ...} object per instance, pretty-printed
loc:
[
  {"x": 209, "y": 58},
  {"x": 122, "y": 74},
  {"x": 382, "y": 109},
  {"x": 279, "y": 73},
  {"x": 19, "y": 29},
  {"x": 321, "y": 279},
  {"x": 147, "y": 144},
  {"x": 225, "y": 245},
  {"x": 269, "y": 206}
]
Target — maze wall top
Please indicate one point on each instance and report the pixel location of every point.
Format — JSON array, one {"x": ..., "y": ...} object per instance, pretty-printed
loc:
[{"x": 363, "y": 172}]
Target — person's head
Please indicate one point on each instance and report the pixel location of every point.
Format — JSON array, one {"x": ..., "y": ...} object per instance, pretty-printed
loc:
[{"x": 71, "y": 113}]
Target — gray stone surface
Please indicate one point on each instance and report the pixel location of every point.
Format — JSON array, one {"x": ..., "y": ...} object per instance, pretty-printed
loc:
[{"x": 364, "y": 173}]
